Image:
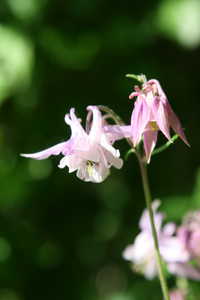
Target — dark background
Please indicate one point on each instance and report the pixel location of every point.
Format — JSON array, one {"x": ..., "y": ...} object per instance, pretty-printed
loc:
[{"x": 61, "y": 238}]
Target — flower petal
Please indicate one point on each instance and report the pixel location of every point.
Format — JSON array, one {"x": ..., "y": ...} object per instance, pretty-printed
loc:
[
  {"x": 176, "y": 124},
  {"x": 112, "y": 160},
  {"x": 55, "y": 150},
  {"x": 150, "y": 139},
  {"x": 96, "y": 173},
  {"x": 173, "y": 250},
  {"x": 75, "y": 123},
  {"x": 117, "y": 132},
  {"x": 107, "y": 145},
  {"x": 144, "y": 222},
  {"x": 169, "y": 229},
  {"x": 184, "y": 270},
  {"x": 139, "y": 119},
  {"x": 97, "y": 124},
  {"x": 160, "y": 114},
  {"x": 71, "y": 161}
]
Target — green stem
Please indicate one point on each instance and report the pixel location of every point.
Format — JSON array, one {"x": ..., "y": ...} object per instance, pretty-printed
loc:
[
  {"x": 165, "y": 146},
  {"x": 148, "y": 200}
]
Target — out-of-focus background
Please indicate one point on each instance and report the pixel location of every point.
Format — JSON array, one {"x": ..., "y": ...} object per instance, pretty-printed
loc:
[{"x": 61, "y": 238}]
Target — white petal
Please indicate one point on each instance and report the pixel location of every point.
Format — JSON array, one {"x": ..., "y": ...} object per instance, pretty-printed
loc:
[
  {"x": 55, "y": 150},
  {"x": 96, "y": 128},
  {"x": 107, "y": 145}
]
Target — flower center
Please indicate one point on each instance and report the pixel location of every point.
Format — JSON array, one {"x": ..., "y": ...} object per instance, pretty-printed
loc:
[
  {"x": 153, "y": 126},
  {"x": 90, "y": 166}
]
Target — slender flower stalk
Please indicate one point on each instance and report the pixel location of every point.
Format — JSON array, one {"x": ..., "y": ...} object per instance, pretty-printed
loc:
[{"x": 148, "y": 199}]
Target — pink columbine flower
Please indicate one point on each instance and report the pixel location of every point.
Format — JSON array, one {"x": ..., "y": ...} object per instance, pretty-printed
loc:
[
  {"x": 184, "y": 270},
  {"x": 152, "y": 112},
  {"x": 142, "y": 254},
  {"x": 91, "y": 153},
  {"x": 189, "y": 234}
]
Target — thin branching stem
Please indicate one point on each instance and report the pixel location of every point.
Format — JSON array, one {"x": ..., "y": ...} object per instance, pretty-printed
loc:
[{"x": 167, "y": 145}]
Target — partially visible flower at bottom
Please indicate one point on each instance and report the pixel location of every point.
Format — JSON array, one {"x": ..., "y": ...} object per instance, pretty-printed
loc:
[
  {"x": 142, "y": 254},
  {"x": 184, "y": 270},
  {"x": 90, "y": 153},
  {"x": 189, "y": 232},
  {"x": 189, "y": 235},
  {"x": 177, "y": 294}
]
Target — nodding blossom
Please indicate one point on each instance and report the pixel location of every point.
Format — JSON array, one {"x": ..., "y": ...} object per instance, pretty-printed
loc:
[
  {"x": 189, "y": 232},
  {"x": 142, "y": 253},
  {"x": 88, "y": 152},
  {"x": 152, "y": 112},
  {"x": 189, "y": 235}
]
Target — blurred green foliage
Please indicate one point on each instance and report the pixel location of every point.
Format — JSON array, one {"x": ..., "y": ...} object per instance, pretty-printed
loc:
[{"x": 61, "y": 238}]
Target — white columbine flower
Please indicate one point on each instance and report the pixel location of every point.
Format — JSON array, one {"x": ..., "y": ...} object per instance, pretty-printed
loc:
[
  {"x": 142, "y": 254},
  {"x": 91, "y": 153}
]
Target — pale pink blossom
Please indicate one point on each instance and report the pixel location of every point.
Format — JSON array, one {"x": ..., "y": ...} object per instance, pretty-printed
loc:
[
  {"x": 142, "y": 254},
  {"x": 184, "y": 270},
  {"x": 189, "y": 232},
  {"x": 91, "y": 154},
  {"x": 189, "y": 235},
  {"x": 152, "y": 112}
]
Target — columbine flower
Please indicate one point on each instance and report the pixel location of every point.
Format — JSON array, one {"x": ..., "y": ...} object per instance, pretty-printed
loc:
[
  {"x": 152, "y": 112},
  {"x": 184, "y": 270},
  {"x": 189, "y": 235},
  {"x": 142, "y": 254},
  {"x": 189, "y": 232},
  {"x": 90, "y": 154}
]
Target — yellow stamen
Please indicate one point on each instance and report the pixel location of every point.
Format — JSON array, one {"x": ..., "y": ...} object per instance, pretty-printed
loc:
[
  {"x": 153, "y": 125},
  {"x": 90, "y": 165}
]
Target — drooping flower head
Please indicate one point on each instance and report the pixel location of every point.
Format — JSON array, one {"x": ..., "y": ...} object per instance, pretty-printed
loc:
[
  {"x": 189, "y": 235},
  {"x": 152, "y": 112},
  {"x": 189, "y": 232},
  {"x": 142, "y": 252},
  {"x": 88, "y": 152}
]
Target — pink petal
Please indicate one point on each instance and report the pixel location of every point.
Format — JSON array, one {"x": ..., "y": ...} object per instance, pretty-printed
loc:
[
  {"x": 108, "y": 146},
  {"x": 96, "y": 128},
  {"x": 194, "y": 244},
  {"x": 111, "y": 160},
  {"x": 169, "y": 229},
  {"x": 128, "y": 252},
  {"x": 160, "y": 114},
  {"x": 139, "y": 119},
  {"x": 75, "y": 124},
  {"x": 55, "y": 150},
  {"x": 144, "y": 222},
  {"x": 71, "y": 161},
  {"x": 183, "y": 234},
  {"x": 150, "y": 139},
  {"x": 134, "y": 94},
  {"x": 184, "y": 270},
  {"x": 160, "y": 91},
  {"x": 117, "y": 132},
  {"x": 176, "y": 124},
  {"x": 79, "y": 139},
  {"x": 173, "y": 250}
]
